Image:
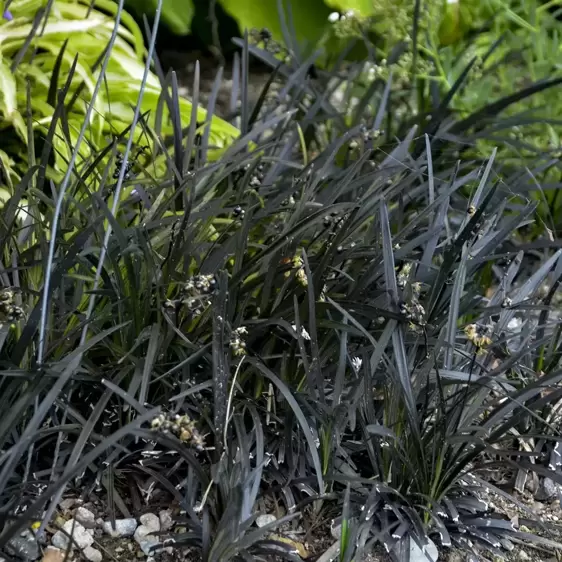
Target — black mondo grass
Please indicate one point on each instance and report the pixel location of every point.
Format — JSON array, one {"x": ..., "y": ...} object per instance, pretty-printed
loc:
[{"x": 320, "y": 324}]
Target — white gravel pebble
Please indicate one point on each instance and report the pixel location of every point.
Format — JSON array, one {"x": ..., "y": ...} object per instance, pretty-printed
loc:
[
  {"x": 82, "y": 538},
  {"x": 147, "y": 543},
  {"x": 67, "y": 503},
  {"x": 141, "y": 532},
  {"x": 92, "y": 554},
  {"x": 265, "y": 519},
  {"x": 86, "y": 517},
  {"x": 150, "y": 521},
  {"x": 166, "y": 521},
  {"x": 150, "y": 525},
  {"x": 123, "y": 527}
]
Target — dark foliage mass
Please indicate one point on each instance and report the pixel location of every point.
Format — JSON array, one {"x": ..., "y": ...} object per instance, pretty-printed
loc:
[{"x": 354, "y": 326}]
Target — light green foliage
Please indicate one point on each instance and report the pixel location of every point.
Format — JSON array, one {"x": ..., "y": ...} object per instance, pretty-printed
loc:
[
  {"x": 453, "y": 33},
  {"x": 310, "y": 17},
  {"x": 460, "y": 16},
  {"x": 176, "y": 14},
  {"x": 86, "y": 34},
  {"x": 530, "y": 52}
]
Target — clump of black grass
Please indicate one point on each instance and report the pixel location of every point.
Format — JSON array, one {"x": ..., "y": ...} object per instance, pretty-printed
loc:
[{"x": 319, "y": 317}]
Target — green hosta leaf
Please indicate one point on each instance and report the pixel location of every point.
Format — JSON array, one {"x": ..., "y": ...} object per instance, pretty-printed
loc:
[
  {"x": 8, "y": 89},
  {"x": 9, "y": 175},
  {"x": 130, "y": 29},
  {"x": 176, "y": 14},
  {"x": 86, "y": 33},
  {"x": 310, "y": 17},
  {"x": 57, "y": 28}
]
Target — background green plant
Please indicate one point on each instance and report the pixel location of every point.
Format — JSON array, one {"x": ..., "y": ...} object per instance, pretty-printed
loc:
[
  {"x": 430, "y": 56},
  {"x": 38, "y": 50}
]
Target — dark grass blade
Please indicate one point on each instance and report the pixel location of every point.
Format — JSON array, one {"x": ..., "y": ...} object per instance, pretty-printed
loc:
[
  {"x": 177, "y": 136},
  {"x": 65, "y": 264},
  {"x": 57, "y": 101},
  {"x": 244, "y": 85},
  {"x": 480, "y": 117},
  {"x": 53, "y": 86},
  {"x": 41, "y": 411},
  {"x": 451, "y": 253},
  {"x": 193, "y": 125},
  {"x": 41, "y": 15},
  {"x": 397, "y": 335},
  {"x": 305, "y": 428},
  {"x": 220, "y": 362},
  {"x": 263, "y": 96},
  {"x": 45, "y": 303},
  {"x": 210, "y": 111}
]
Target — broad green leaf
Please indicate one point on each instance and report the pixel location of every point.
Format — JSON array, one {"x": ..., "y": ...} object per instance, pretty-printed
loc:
[
  {"x": 86, "y": 33},
  {"x": 8, "y": 91},
  {"x": 310, "y": 17},
  {"x": 176, "y": 14}
]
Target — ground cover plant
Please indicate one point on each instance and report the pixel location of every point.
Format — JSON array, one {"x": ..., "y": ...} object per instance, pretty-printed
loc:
[{"x": 325, "y": 323}]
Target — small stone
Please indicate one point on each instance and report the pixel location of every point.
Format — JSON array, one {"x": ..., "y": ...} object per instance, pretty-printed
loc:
[
  {"x": 166, "y": 521},
  {"x": 547, "y": 490},
  {"x": 92, "y": 554},
  {"x": 141, "y": 532},
  {"x": 265, "y": 519},
  {"x": 150, "y": 525},
  {"x": 123, "y": 527},
  {"x": 24, "y": 546},
  {"x": 86, "y": 517},
  {"x": 80, "y": 535},
  {"x": 151, "y": 522},
  {"x": 522, "y": 555},
  {"x": 148, "y": 543},
  {"x": 67, "y": 503}
]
